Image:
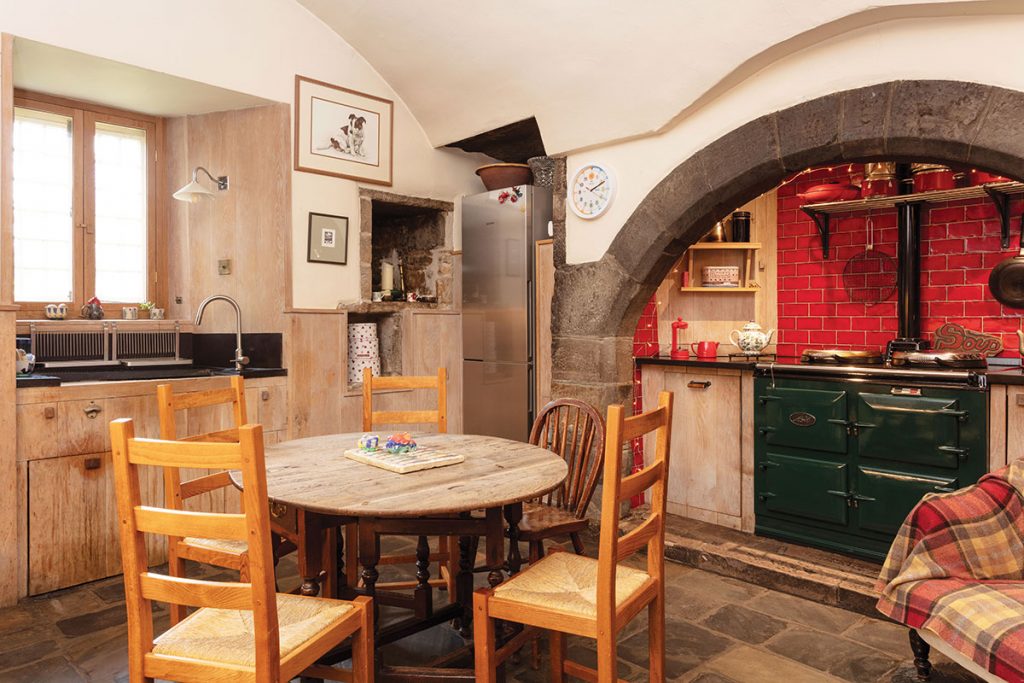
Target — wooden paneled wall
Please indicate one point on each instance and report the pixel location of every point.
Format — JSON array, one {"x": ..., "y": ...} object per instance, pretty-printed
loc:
[
  {"x": 316, "y": 354},
  {"x": 249, "y": 223},
  {"x": 713, "y": 315}
]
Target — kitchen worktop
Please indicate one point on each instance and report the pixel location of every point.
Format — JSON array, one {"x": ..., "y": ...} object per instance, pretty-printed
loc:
[
  {"x": 61, "y": 377},
  {"x": 996, "y": 373}
]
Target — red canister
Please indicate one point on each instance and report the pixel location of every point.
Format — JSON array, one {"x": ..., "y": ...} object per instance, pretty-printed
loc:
[{"x": 932, "y": 177}]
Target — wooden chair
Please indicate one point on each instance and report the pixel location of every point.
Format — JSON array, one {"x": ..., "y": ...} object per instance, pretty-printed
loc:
[
  {"x": 225, "y": 553},
  {"x": 372, "y": 418},
  {"x": 241, "y": 631},
  {"x": 567, "y": 593},
  {"x": 575, "y": 431}
]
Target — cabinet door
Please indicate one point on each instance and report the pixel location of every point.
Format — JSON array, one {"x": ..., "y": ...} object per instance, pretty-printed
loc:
[
  {"x": 812, "y": 419},
  {"x": 72, "y": 522},
  {"x": 912, "y": 429},
  {"x": 269, "y": 405},
  {"x": 72, "y": 526},
  {"x": 704, "y": 467}
]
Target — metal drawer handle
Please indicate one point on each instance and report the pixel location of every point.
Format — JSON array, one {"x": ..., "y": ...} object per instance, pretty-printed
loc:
[
  {"x": 694, "y": 384},
  {"x": 265, "y": 395},
  {"x": 960, "y": 453},
  {"x": 93, "y": 463},
  {"x": 765, "y": 431},
  {"x": 764, "y": 399},
  {"x": 278, "y": 510},
  {"x": 765, "y": 496},
  {"x": 764, "y": 466},
  {"x": 92, "y": 410},
  {"x": 944, "y": 489}
]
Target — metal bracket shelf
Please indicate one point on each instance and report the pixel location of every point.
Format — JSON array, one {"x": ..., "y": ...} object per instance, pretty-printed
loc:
[{"x": 999, "y": 193}]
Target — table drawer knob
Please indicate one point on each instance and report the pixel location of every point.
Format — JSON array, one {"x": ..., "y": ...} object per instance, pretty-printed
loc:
[
  {"x": 49, "y": 412},
  {"x": 265, "y": 395}
]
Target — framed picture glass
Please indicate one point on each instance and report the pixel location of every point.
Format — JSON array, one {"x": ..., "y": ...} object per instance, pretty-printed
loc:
[
  {"x": 328, "y": 239},
  {"x": 341, "y": 132}
]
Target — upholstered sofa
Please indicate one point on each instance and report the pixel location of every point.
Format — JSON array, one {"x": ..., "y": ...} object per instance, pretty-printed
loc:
[{"x": 955, "y": 576}]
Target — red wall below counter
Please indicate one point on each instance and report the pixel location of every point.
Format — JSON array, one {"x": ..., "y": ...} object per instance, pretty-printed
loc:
[{"x": 960, "y": 243}]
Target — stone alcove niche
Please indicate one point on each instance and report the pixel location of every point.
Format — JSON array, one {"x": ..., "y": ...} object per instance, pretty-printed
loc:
[
  {"x": 416, "y": 232},
  {"x": 597, "y": 304}
]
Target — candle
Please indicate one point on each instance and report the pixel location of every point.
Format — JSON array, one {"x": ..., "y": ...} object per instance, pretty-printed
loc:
[{"x": 387, "y": 277}]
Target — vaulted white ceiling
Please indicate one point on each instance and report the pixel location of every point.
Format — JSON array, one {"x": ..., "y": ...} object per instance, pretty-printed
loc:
[{"x": 590, "y": 71}]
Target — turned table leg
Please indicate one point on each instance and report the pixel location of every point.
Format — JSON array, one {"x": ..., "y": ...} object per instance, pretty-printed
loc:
[
  {"x": 369, "y": 556},
  {"x": 513, "y": 514},
  {"x": 921, "y": 650},
  {"x": 464, "y": 586},
  {"x": 311, "y": 553},
  {"x": 422, "y": 597}
]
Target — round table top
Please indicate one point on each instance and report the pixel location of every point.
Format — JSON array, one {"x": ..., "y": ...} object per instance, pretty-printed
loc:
[{"x": 313, "y": 474}]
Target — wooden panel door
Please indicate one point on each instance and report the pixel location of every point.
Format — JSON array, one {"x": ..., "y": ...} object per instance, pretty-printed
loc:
[
  {"x": 705, "y": 467},
  {"x": 72, "y": 521},
  {"x": 72, "y": 524},
  {"x": 544, "y": 288}
]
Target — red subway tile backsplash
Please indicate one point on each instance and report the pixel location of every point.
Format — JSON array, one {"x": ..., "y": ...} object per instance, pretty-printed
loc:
[{"x": 960, "y": 244}]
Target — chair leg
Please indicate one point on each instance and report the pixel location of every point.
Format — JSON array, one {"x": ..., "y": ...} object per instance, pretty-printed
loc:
[
  {"x": 557, "y": 647},
  {"x": 483, "y": 639},
  {"x": 607, "y": 664},
  {"x": 536, "y": 552},
  {"x": 577, "y": 543},
  {"x": 656, "y": 637},
  {"x": 176, "y": 567},
  {"x": 921, "y": 651},
  {"x": 362, "y": 646}
]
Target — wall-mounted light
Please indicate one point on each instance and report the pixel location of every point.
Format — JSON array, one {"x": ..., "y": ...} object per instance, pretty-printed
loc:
[{"x": 194, "y": 191}]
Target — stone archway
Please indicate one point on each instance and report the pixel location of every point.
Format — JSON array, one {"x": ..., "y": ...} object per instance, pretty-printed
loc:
[{"x": 597, "y": 304}]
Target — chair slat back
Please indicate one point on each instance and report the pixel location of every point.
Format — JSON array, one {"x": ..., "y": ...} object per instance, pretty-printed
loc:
[
  {"x": 372, "y": 418},
  {"x": 136, "y": 520},
  {"x": 170, "y": 403},
  {"x": 650, "y": 534},
  {"x": 574, "y": 430}
]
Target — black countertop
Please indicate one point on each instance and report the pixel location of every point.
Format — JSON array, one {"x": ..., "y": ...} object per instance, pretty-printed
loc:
[
  {"x": 115, "y": 374},
  {"x": 996, "y": 373}
]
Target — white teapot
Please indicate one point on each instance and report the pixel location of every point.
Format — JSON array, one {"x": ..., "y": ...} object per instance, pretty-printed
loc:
[{"x": 751, "y": 340}]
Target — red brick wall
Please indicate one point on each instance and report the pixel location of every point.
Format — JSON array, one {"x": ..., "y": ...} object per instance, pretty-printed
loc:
[{"x": 960, "y": 243}]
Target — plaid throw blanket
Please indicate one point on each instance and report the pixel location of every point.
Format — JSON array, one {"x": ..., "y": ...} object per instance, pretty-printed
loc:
[{"x": 956, "y": 569}]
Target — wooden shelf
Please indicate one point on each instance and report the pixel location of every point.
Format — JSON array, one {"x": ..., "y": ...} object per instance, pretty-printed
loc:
[
  {"x": 720, "y": 290},
  {"x": 999, "y": 193},
  {"x": 746, "y": 246}
]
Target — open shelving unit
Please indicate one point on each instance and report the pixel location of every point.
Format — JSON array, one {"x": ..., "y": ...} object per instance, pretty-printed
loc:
[
  {"x": 747, "y": 283},
  {"x": 999, "y": 193}
]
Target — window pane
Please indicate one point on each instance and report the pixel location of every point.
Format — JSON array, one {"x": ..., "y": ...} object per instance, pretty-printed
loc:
[
  {"x": 121, "y": 213},
  {"x": 42, "y": 206}
]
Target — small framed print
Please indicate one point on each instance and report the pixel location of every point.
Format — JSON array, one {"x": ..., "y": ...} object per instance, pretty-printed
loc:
[
  {"x": 343, "y": 133},
  {"x": 328, "y": 239}
]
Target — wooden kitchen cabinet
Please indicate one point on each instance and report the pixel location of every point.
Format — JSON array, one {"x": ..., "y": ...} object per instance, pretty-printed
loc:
[
  {"x": 706, "y": 462},
  {"x": 66, "y": 508}
]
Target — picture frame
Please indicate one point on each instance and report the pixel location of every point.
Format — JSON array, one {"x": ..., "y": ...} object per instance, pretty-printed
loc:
[
  {"x": 328, "y": 239},
  {"x": 343, "y": 133}
]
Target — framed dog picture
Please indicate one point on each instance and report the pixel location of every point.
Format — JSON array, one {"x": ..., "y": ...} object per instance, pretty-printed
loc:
[
  {"x": 328, "y": 239},
  {"x": 341, "y": 132}
]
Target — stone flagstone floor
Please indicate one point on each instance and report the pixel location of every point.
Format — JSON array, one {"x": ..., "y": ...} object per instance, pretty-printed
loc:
[{"x": 720, "y": 630}]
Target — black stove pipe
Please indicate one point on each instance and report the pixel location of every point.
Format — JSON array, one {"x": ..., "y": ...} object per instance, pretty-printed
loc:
[{"x": 908, "y": 274}]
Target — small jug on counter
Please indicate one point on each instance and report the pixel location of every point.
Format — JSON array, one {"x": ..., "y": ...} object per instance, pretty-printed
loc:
[
  {"x": 751, "y": 340},
  {"x": 92, "y": 310}
]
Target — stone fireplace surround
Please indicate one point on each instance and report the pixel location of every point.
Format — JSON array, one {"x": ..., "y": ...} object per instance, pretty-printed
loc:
[{"x": 596, "y": 305}]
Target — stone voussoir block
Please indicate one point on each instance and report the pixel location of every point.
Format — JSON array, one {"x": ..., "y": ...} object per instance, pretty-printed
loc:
[
  {"x": 935, "y": 119},
  {"x": 864, "y": 114},
  {"x": 809, "y": 132}
]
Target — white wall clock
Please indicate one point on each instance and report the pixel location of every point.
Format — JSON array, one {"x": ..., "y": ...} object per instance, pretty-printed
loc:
[{"x": 591, "y": 190}]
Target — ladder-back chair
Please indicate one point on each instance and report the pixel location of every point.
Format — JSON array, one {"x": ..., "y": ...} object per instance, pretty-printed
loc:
[
  {"x": 241, "y": 631},
  {"x": 225, "y": 553},
  {"x": 438, "y": 416},
  {"x": 595, "y": 598}
]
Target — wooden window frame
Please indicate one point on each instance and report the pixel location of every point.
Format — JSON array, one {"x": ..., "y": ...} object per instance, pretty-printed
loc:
[{"x": 85, "y": 116}]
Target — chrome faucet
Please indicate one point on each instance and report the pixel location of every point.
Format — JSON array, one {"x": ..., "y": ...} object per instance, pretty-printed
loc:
[{"x": 239, "y": 360}]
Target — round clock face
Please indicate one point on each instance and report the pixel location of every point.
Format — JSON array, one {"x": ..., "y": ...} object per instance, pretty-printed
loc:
[{"x": 591, "y": 191}]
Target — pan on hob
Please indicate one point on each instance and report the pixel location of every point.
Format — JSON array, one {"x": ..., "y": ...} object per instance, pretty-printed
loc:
[
  {"x": 841, "y": 357},
  {"x": 939, "y": 359}
]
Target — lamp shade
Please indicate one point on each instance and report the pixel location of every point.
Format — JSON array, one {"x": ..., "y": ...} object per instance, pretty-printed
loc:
[{"x": 193, "y": 192}]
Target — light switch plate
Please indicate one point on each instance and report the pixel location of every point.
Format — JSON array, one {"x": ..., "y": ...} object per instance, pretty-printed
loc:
[{"x": 224, "y": 266}]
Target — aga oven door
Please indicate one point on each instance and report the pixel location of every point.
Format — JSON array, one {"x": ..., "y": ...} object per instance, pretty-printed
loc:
[
  {"x": 804, "y": 415},
  {"x": 884, "y": 497},
  {"x": 805, "y": 488},
  {"x": 906, "y": 425}
]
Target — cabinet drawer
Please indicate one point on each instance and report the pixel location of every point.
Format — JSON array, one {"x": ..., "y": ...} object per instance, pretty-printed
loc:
[{"x": 48, "y": 430}]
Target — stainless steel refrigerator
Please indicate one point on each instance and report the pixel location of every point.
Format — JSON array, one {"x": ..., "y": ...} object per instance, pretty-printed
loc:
[{"x": 498, "y": 336}]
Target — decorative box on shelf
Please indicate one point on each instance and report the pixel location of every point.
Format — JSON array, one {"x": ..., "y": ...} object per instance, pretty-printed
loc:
[{"x": 745, "y": 281}]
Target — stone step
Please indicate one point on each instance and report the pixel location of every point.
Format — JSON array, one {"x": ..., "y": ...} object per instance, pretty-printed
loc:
[{"x": 824, "y": 577}]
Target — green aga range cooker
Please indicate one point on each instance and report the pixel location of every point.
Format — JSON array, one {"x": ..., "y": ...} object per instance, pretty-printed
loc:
[{"x": 843, "y": 453}]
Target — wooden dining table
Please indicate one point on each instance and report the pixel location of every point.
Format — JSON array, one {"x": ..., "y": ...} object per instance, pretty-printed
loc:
[{"x": 480, "y": 498}]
